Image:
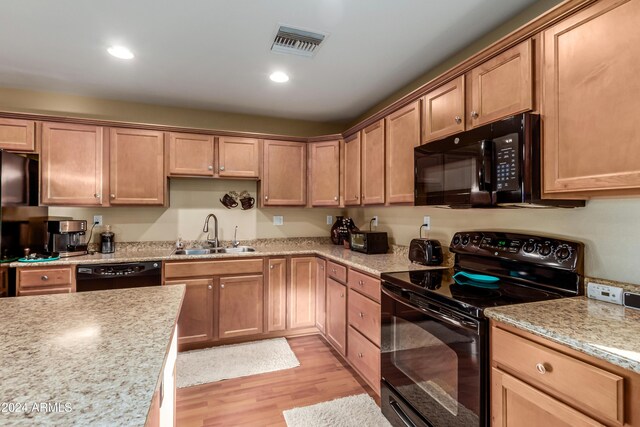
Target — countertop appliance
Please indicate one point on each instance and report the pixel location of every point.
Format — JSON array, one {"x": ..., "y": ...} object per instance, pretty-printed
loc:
[
  {"x": 369, "y": 242},
  {"x": 67, "y": 237},
  {"x": 99, "y": 277},
  {"x": 495, "y": 165},
  {"x": 435, "y": 351},
  {"x": 425, "y": 251}
]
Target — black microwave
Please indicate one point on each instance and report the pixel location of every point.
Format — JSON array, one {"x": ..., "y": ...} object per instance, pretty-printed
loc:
[{"x": 495, "y": 165}]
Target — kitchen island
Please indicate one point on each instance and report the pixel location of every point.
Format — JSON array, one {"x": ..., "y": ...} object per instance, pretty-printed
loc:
[{"x": 94, "y": 358}]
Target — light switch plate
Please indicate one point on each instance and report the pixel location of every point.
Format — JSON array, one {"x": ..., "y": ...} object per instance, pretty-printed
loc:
[
  {"x": 278, "y": 220},
  {"x": 329, "y": 220},
  {"x": 604, "y": 292}
]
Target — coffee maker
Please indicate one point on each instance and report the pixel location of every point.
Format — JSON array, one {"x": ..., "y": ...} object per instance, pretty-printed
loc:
[{"x": 66, "y": 237}]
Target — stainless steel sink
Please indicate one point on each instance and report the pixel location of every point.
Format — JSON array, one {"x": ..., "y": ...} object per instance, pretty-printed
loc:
[
  {"x": 208, "y": 251},
  {"x": 239, "y": 249}
]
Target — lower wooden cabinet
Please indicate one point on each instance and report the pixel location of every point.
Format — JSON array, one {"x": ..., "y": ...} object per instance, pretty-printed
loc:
[
  {"x": 302, "y": 293},
  {"x": 321, "y": 294},
  {"x": 195, "y": 323},
  {"x": 365, "y": 357},
  {"x": 240, "y": 305},
  {"x": 336, "y": 331},
  {"x": 45, "y": 281},
  {"x": 276, "y": 294}
]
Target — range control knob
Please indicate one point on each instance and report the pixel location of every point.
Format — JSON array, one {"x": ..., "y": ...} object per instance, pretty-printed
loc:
[
  {"x": 545, "y": 249},
  {"x": 529, "y": 247},
  {"x": 563, "y": 253},
  {"x": 456, "y": 240},
  {"x": 465, "y": 240}
]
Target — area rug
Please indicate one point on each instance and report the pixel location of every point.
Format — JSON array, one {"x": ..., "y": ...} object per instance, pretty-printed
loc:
[
  {"x": 353, "y": 411},
  {"x": 234, "y": 361}
]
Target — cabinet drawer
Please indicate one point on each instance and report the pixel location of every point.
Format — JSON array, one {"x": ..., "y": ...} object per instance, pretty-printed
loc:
[
  {"x": 365, "y": 357},
  {"x": 44, "y": 291},
  {"x": 364, "y": 284},
  {"x": 364, "y": 315},
  {"x": 212, "y": 268},
  {"x": 38, "y": 277},
  {"x": 568, "y": 378},
  {"x": 337, "y": 271}
]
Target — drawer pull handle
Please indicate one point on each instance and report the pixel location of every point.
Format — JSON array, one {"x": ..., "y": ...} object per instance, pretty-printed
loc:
[
  {"x": 361, "y": 282},
  {"x": 361, "y": 314},
  {"x": 541, "y": 368},
  {"x": 45, "y": 277},
  {"x": 360, "y": 355}
]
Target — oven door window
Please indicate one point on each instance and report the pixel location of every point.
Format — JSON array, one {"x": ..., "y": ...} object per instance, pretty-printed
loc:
[{"x": 432, "y": 363}]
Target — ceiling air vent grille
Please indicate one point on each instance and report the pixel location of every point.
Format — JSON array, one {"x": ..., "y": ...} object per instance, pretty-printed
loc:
[{"x": 296, "y": 42}]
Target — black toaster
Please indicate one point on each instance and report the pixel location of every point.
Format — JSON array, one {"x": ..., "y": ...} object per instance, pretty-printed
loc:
[{"x": 425, "y": 252}]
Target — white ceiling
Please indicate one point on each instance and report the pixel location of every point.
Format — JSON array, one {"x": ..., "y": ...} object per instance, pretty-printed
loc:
[{"x": 215, "y": 54}]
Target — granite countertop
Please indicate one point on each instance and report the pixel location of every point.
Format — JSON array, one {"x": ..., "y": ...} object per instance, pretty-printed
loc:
[
  {"x": 600, "y": 329},
  {"x": 372, "y": 264},
  {"x": 98, "y": 356}
]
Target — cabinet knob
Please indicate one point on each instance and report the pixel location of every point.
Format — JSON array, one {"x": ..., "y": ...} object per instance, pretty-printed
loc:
[
  {"x": 210, "y": 168},
  {"x": 322, "y": 267},
  {"x": 222, "y": 285},
  {"x": 361, "y": 282},
  {"x": 45, "y": 277},
  {"x": 333, "y": 271},
  {"x": 342, "y": 295},
  {"x": 541, "y": 368},
  {"x": 113, "y": 196},
  {"x": 335, "y": 198},
  {"x": 210, "y": 287},
  {"x": 221, "y": 168},
  {"x": 356, "y": 197},
  {"x": 266, "y": 197},
  {"x": 474, "y": 115},
  {"x": 361, "y": 314},
  {"x": 360, "y": 355},
  {"x": 96, "y": 195},
  {"x": 271, "y": 266},
  {"x": 363, "y": 197},
  {"x": 458, "y": 119}
]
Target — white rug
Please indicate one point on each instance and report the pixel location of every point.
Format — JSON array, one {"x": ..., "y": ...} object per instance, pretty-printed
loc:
[
  {"x": 233, "y": 361},
  {"x": 353, "y": 411}
]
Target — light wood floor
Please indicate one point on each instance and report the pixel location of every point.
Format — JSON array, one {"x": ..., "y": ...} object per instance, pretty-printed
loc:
[{"x": 259, "y": 400}]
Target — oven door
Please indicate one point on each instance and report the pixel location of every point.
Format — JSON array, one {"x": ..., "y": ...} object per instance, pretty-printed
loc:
[{"x": 434, "y": 359}]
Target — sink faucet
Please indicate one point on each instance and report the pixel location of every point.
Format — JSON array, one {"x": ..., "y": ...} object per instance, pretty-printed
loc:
[
  {"x": 215, "y": 242},
  {"x": 235, "y": 242}
]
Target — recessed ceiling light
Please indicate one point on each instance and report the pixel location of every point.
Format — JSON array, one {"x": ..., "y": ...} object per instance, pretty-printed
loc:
[
  {"x": 279, "y": 77},
  {"x": 120, "y": 52}
]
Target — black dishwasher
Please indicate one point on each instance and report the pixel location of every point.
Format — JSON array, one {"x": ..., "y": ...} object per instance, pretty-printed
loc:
[{"x": 100, "y": 277}]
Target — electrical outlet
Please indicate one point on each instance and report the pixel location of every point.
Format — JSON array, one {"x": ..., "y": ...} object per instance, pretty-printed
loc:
[
  {"x": 97, "y": 219},
  {"x": 426, "y": 221},
  {"x": 603, "y": 292},
  {"x": 375, "y": 221},
  {"x": 278, "y": 220},
  {"x": 329, "y": 220}
]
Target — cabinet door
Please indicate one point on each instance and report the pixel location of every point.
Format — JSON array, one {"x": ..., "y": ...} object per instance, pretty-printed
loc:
[
  {"x": 240, "y": 305},
  {"x": 373, "y": 164},
  {"x": 590, "y": 100},
  {"x": 277, "y": 295},
  {"x": 284, "y": 174},
  {"x": 324, "y": 173},
  {"x": 302, "y": 293},
  {"x": 337, "y": 315},
  {"x": 190, "y": 154},
  {"x": 195, "y": 323},
  {"x": 352, "y": 170},
  {"x": 136, "y": 167},
  {"x": 71, "y": 164},
  {"x": 502, "y": 86},
  {"x": 321, "y": 294},
  {"x": 403, "y": 135},
  {"x": 17, "y": 135},
  {"x": 515, "y": 403},
  {"x": 444, "y": 110},
  {"x": 238, "y": 157}
]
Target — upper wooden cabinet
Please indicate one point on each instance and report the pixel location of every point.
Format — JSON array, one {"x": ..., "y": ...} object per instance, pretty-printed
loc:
[
  {"x": 195, "y": 323},
  {"x": 444, "y": 110},
  {"x": 302, "y": 293},
  {"x": 238, "y": 157},
  {"x": 590, "y": 101},
  {"x": 72, "y": 165},
  {"x": 191, "y": 154},
  {"x": 136, "y": 167},
  {"x": 373, "y": 160},
  {"x": 17, "y": 135},
  {"x": 502, "y": 86},
  {"x": 402, "y": 136},
  {"x": 284, "y": 174},
  {"x": 324, "y": 173},
  {"x": 352, "y": 170}
]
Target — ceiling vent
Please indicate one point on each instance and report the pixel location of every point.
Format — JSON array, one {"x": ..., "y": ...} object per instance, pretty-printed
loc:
[{"x": 294, "y": 41}]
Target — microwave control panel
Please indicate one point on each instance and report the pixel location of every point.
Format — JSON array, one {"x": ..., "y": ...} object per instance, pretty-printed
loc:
[{"x": 507, "y": 163}]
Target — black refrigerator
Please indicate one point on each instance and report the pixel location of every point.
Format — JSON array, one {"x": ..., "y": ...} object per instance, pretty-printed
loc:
[{"x": 22, "y": 221}]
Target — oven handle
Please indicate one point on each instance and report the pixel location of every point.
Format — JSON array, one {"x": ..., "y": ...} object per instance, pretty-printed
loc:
[
  {"x": 465, "y": 324},
  {"x": 400, "y": 413}
]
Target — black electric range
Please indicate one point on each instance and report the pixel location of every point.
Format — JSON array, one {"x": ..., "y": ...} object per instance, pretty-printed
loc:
[{"x": 434, "y": 337}]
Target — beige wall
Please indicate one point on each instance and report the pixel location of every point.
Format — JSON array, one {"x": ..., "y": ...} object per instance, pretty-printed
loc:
[
  {"x": 191, "y": 201},
  {"x": 28, "y": 101}
]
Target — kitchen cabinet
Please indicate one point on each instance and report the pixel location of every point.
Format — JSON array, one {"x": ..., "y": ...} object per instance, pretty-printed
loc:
[
  {"x": 444, "y": 109},
  {"x": 501, "y": 86},
  {"x": 337, "y": 315},
  {"x": 402, "y": 136},
  {"x": 590, "y": 102},
  {"x": 240, "y": 306},
  {"x": 4, "y": 288},
  {"x": 45, "y": 280},
  {"x": 302, "y": 293},
  {"x": 18, "y": 135},
  {"x": 238, "y": 157},
  {"x": 324, "y": 173},
  {"x": 136, "y": 167},
  {"x": 352, "y": 170},
  {"x": 321, "y": 294},
  {"x": 195, "y": 323},
  {"x": 191, "y": 154},
  {"x": 373, "y": 161},
  {"x": 72, "y": 165},
  {"x": 284, "y": 174},
  {"x": 276, "y": 294}
]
